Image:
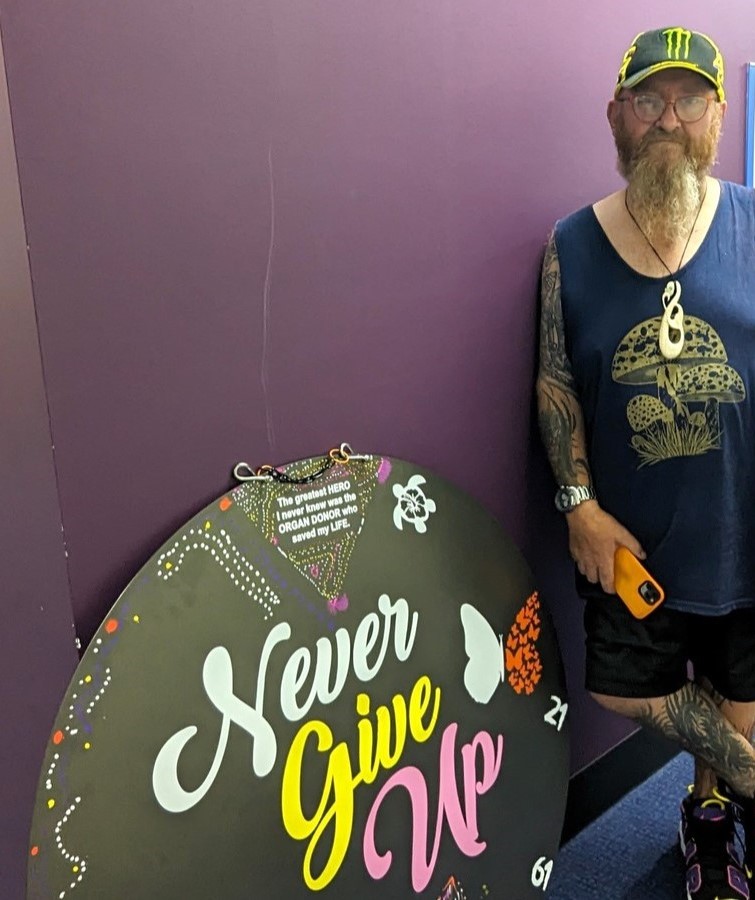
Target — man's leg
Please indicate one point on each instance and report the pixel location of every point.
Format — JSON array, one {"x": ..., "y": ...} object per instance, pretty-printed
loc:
[
  {"x": 691, "y": 717},
  {"x": 715, "y": 866},
  {"x": 639, "y": 668},
  {"x": 742, "y": 718}
]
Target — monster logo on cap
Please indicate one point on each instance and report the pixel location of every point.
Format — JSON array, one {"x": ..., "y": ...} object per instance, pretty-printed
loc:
[{"x": 677, "y": 42}]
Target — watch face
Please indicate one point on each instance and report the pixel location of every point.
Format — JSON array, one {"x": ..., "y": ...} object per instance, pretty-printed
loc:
[{"x": 564, "y": 499}]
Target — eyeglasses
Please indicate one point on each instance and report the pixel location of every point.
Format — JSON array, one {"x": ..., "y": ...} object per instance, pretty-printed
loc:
[{"x": 650, "y": 107}]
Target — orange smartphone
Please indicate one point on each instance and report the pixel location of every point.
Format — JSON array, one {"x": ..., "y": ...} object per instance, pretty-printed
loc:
[{"x": 638, "y": 589}]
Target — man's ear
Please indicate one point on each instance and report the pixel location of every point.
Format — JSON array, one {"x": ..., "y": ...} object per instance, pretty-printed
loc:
[{"x": 612, "y": 110}]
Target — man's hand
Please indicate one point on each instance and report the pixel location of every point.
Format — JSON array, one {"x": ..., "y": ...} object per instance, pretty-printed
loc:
[{"x": 594, "y": 536}]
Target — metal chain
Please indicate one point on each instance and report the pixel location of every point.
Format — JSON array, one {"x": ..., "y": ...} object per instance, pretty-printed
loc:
[
  {"x": 337, "y": 456},
  {"x": 279, "y": 476}
]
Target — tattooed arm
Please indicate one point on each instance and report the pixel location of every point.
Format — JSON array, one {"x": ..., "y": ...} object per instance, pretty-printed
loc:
[
  {"x": 593, "y": 533},
  {"x": 560, "y": 417}
]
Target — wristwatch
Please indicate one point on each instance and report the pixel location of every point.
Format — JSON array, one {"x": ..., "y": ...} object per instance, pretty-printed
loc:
[{"x": 569, "y": 496}]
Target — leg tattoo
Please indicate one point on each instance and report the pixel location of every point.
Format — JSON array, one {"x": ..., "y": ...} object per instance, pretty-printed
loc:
[{"x": 691, "y": 718}]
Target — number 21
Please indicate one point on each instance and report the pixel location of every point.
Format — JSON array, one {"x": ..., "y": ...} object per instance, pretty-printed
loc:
[{"x": 557, "y": 714}]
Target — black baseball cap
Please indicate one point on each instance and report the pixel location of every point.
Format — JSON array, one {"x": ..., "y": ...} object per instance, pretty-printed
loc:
[{"x": 671, "y": 48}]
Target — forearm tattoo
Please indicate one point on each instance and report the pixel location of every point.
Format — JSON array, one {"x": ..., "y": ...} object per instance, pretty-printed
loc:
[
  {"x": 559, "y": 410},
  {"x": 691, "y": 718}
]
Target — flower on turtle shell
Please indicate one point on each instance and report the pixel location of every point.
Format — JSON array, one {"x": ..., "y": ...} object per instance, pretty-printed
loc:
[{"x": 413, "y": 505}]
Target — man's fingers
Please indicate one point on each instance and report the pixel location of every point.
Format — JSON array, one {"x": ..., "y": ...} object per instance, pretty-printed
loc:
[{"x": 632, "y": 544}]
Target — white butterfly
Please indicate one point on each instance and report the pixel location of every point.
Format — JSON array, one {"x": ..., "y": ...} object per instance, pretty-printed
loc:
[{"x": 485, "y": 669}]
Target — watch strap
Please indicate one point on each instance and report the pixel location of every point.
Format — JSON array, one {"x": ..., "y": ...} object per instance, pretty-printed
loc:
[
  {"x": 582, "y": 492},
  {"x": 569, "y": 496}
]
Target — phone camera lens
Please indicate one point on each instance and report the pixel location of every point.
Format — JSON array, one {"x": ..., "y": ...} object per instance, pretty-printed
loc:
[{"x": 649, "y": 593}]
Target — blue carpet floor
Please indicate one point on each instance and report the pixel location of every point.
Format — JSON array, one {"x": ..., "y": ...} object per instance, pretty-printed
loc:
[{"x": 631, "y": 851}]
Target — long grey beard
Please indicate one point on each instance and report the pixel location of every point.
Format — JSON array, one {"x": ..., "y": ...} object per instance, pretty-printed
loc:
[{"x": 664, "y": 199}]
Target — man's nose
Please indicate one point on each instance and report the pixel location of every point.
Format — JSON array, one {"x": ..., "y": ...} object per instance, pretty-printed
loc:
[{"x": 668, "y": 120}]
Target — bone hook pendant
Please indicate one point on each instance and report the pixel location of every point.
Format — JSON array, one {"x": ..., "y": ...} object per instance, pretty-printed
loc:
[{"x": 671, "y": 332}]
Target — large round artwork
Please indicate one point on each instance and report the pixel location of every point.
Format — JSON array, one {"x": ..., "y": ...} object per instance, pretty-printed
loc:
[{"x": 337, "y": 680}]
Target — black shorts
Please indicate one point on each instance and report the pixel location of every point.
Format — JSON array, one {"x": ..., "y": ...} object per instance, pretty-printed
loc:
[{"x": 628, "y": 657}]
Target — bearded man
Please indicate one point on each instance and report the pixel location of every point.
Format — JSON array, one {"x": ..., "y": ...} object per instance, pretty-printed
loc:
[{"x": 646, "y": 401}]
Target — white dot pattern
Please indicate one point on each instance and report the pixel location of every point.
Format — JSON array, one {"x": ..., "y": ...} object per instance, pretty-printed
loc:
[
  {"x": 221, "y": 548},
  {"x": 78, "y": 863},
  {"x": 53, "y": 764},
  {"x": 98, "y": 696}
]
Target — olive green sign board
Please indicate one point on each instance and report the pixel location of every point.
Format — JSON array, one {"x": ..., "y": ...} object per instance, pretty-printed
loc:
[{"x": 344, "y": 688}]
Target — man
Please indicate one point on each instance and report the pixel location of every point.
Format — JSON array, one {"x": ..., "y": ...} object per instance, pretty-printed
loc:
[{"x": 646, "y": 399}]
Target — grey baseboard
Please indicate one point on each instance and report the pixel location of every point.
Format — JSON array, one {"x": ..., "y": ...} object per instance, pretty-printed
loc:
[{"x": 598, "y": 786}]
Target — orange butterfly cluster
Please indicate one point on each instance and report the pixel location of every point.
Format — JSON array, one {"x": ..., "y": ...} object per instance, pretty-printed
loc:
[{"x": 523, "y": 663}]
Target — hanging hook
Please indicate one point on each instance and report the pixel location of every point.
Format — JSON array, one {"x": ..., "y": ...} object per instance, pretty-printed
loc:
[
  {"x": 250, "y": 474},
  {"x": 346, "y": 450}
]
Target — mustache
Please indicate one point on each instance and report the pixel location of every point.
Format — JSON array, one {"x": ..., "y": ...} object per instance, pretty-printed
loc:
[{"x": 657, "y": 135}]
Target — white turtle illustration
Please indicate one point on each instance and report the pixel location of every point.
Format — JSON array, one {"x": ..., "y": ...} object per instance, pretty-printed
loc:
[{"x": 413, "y": 505}]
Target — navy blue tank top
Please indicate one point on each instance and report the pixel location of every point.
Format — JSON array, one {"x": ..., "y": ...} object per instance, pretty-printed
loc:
[{"x": 671, "y": 445}]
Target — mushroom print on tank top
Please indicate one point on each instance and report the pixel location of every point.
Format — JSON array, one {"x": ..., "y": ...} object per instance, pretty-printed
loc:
[{"x": 679, "y": 413}]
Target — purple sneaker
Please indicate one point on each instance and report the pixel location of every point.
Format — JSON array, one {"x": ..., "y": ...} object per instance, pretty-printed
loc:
[
  {"x": 744, "y": 812},
  {"x": 713, "y": 854}
]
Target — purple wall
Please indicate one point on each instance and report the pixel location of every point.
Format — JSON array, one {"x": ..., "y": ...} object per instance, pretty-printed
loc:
[
  {"x": 259, "y": 229},
  {"x": 37, "y": 654}
]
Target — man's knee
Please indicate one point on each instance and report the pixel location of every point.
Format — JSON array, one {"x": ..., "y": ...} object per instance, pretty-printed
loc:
[
  {"x": 741, "y": 716},
  {"x": 630, "y": 707}
]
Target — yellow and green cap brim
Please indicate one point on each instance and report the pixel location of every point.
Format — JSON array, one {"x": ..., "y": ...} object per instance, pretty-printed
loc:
[{"x": 635, "y": 79}]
